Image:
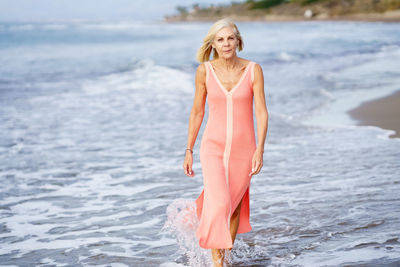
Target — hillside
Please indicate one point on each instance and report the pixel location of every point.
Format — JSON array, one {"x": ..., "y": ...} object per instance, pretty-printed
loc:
[{"x": 286, "y": 10}]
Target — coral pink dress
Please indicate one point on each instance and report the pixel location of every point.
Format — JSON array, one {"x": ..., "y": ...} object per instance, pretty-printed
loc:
[{"x": 226, "y": 152}]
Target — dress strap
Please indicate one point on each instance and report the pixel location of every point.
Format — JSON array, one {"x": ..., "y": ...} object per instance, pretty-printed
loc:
[{"x": 252, "y": 71}]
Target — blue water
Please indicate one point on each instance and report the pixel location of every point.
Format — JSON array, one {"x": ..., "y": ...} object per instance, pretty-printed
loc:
[{"x": 93, "y": 123}]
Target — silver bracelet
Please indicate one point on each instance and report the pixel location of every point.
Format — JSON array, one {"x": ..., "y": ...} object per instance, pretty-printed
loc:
[{"x": 191, "y": 151}]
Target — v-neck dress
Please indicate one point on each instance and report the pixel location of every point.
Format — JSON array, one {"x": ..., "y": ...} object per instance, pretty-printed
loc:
[{"x": 226, "y": 151}]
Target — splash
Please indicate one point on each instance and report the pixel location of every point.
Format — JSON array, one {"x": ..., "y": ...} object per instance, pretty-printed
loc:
[{"x": 182, "y": 223}]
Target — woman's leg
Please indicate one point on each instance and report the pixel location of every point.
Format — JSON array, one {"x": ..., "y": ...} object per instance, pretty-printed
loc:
[
  {"x": 218, "y": 256},
  {"x": 235, "y": 221},
  {"x": 233, "y": 227}
]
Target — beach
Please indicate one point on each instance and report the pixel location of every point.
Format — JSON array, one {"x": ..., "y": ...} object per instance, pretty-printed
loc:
[
  {"x": 382, "y": 112},
  {"x": 94, "y": 117}
]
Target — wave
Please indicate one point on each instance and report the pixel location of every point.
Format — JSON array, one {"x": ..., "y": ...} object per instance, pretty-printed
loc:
[{"x": 146, "y": 76}]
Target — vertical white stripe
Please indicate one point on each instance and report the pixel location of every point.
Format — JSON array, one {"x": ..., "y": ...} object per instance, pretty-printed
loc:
[{"x": 228, "y": 144}]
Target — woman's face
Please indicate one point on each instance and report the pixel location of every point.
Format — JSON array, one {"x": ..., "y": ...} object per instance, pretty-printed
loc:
[{"x": 225, "y": 43}]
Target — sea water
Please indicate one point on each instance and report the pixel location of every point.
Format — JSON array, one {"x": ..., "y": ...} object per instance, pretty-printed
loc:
[{"x": 94, "y": 120}]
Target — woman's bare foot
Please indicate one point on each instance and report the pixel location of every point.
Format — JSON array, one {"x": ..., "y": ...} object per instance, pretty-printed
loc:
[{"x": 218, "y": 257}]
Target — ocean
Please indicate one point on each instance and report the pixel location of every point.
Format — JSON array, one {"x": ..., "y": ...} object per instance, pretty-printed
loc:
[{"x": 93, "y": 122}]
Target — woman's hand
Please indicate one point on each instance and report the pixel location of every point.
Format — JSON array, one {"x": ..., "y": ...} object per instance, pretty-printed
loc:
[
  {"x": 257, "y": 162},
  {"x": 187, "y": 164}
]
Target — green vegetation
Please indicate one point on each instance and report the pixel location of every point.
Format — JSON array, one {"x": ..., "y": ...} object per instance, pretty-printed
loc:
[
  {"x": 182, "y": 10},
  {"x": 306, "y": 2},
  {"x": 266, "y": 3},
  {"x": 263, "y": 4}
]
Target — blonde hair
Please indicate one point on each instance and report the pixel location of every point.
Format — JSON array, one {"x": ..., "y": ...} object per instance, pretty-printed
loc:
[{"x": 203, "y": 53}]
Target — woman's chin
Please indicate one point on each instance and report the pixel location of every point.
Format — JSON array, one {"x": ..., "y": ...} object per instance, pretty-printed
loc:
[{"x": 228, "y": 56}]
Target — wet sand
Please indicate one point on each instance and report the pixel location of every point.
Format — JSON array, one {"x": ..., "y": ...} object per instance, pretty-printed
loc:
[{"x": 382, "y": 112}]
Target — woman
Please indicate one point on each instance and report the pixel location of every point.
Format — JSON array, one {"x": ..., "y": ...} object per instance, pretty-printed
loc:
[{"x": 229, "y": 155}]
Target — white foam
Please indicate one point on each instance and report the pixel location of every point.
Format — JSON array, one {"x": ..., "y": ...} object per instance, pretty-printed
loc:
[
  {"x": 285, "y": 56},
  {"x": 182, "y": 223},
  {"x": 118, "y": 26},
  {"x": 52, "y": 262},
  {"x": 171, "y": 264},
  {"x": 147, "y": 76},
  {"x": 23, "y": 27},
  {"x": 54, "y": 26}
]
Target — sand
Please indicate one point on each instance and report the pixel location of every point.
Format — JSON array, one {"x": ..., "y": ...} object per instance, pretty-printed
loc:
[{"x": 382, "y": 112}]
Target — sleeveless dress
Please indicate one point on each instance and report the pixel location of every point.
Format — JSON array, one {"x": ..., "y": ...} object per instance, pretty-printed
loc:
[{"x": 226, "y": 152}]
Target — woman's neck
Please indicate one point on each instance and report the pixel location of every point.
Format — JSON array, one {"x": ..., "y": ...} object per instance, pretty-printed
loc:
[{"x": 229, "y": 63}]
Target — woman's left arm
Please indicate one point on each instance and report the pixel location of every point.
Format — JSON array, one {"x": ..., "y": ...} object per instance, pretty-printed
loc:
[{"x": 261, "y": 112}]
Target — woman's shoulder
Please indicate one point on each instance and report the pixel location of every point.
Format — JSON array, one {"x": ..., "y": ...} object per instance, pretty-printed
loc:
[
  {"x": 254, "y": 62},
  {"x": 202, "y": 66},
  {"x": 201, "y": 69},
  {"x": 246, "y": 62}
]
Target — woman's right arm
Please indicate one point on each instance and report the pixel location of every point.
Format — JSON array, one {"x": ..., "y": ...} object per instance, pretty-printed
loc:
[{"x": 196, "y": 116}]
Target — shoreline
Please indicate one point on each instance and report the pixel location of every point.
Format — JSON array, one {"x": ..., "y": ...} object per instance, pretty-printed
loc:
[
  {"x": 388, "y": 16},
  {"x": 285, "y": 19},
  {"x": 383, "y": 112}
]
